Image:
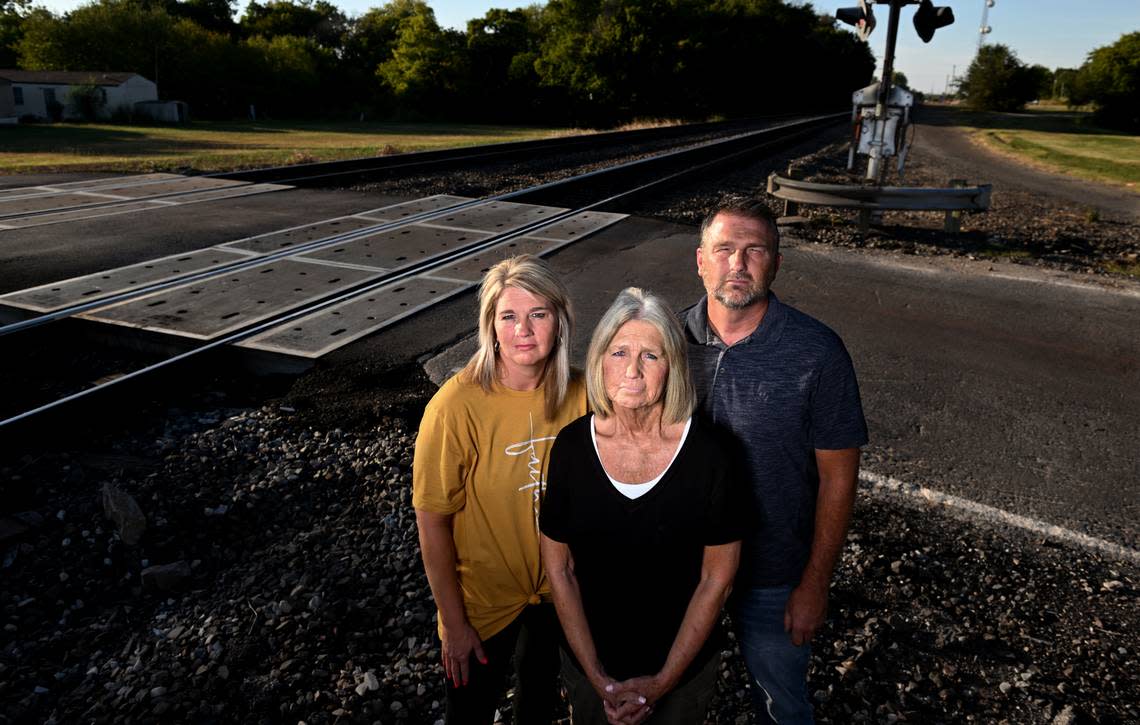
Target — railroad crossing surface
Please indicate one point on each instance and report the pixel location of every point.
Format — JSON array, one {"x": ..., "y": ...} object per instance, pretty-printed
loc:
[{"x": 377, "y": 244}]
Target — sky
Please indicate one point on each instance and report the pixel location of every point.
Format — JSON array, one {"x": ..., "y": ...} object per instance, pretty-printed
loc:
[{"x": 1052, "y": 33}]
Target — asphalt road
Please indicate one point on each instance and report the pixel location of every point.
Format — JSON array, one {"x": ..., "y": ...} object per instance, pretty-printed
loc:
[{"x": 1012, "y": 386}]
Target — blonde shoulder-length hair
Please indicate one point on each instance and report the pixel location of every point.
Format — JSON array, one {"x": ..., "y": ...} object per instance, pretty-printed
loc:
[
  {"x": 634, "y": 303},
  {"x": 529, "y": 273}
]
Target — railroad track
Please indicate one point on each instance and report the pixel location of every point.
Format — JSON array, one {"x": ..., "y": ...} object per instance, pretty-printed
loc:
[
  {"x": 95, "y": 196},
  {"x": 592, "y": 191}
]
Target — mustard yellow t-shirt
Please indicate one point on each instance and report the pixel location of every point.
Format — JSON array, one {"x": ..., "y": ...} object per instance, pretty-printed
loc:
[{"x": 482, "y": 457}]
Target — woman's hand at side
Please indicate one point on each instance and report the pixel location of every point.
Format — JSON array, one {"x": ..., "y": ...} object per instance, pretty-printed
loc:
[
  {"x": 458, "y": 646},
  {"x": 459, "y": 638}
]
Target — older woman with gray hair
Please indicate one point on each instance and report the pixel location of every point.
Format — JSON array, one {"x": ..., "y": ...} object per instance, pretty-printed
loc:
[{"x": 641, "y": 528}]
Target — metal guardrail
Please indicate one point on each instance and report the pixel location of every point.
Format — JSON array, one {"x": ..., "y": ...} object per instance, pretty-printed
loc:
[{"x": 908, "y": 198}]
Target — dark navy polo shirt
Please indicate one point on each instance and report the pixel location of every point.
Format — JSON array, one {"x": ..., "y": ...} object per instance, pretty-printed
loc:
[{"x": 784, "y": 391}]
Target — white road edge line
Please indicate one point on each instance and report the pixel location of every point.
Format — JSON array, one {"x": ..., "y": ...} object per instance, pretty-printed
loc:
[{"x": 886, "y": 485}]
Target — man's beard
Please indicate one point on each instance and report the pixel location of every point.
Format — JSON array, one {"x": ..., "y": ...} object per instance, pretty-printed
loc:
[{"x": 739, "y": 300}]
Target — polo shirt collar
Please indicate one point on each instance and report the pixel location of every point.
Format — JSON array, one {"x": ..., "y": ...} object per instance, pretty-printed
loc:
[{"x": 701, "y": 332}]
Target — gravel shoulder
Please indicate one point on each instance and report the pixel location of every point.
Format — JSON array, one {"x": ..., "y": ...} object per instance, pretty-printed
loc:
[{"x": 289, "y": 588}]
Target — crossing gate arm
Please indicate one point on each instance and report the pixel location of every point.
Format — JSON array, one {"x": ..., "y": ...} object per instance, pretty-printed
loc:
[{"x": 907, "y": 198}]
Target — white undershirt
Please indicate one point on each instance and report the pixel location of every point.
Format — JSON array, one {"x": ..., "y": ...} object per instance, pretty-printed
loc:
[{"x": 637, "y": 490}]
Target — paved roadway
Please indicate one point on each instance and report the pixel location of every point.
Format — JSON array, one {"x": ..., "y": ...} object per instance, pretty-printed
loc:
[{"x": 1008, "y": 385}]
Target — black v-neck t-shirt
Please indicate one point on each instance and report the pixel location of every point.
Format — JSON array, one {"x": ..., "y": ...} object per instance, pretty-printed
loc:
[{"x": 638, "y": 561}]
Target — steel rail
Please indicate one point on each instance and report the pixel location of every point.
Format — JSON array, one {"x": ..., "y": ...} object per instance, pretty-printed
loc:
[
  {"x": 420, "y": 268},
  {"x": 369, "y": 164},
  {"x": 355, "y": 234}
]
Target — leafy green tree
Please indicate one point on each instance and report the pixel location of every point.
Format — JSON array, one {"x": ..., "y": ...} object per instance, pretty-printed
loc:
[
  {"x": 502, "y": 47},
  {"x": 115, "y": 35},
  {"x": 215, "y": 74},
  {"x": 1110, "y": 78},
  {"x": 1041, "y": 79},
  {"x": 427, "y": 64},
  {"x": 287, "y": 71},
  {"x": 368, "y": 43},
  {"x": 215, "y": 15},
  {"x": 319, "y": 21},
  {"x": 12, "y": 14},
  {"x": 899, "y": 78},
  {"x": 997, "y": 81}
]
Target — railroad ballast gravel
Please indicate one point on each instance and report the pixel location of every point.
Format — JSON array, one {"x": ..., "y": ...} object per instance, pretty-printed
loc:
[{"x": 292, "y": 591}]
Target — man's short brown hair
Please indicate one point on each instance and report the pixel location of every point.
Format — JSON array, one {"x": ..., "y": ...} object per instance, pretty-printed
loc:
[{"x": 749, "y": 209}]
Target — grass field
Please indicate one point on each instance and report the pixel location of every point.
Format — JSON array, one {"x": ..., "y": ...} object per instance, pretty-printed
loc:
[
  {"x": 224, "y": 146},
  {"x": 1064, "y": 142}
]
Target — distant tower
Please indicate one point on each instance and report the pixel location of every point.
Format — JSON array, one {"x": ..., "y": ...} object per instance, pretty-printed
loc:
[{"x": 983, "y": 29}]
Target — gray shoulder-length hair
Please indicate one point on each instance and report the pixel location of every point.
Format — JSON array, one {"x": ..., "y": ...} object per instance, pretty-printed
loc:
[
  {"x": 529, "y": 273},
  {"x": 634, "y": 303}
]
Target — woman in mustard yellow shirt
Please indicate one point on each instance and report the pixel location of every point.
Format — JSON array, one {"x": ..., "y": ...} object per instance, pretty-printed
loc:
[{"x": 478, "y": 480}]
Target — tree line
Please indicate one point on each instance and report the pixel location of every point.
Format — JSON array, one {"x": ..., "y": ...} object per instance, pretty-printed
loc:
[
  {"x": 568, "y": 61},
  {"x": 1109, "y": 79}
]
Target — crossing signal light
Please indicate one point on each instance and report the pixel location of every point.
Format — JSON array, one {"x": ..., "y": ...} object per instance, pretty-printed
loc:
[
  {"x": 862, "y": 17},
  {"x": 929, "y": 18}
]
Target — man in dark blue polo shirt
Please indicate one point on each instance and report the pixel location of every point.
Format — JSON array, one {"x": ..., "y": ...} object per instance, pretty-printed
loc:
[{"x": 782, "y": 384}]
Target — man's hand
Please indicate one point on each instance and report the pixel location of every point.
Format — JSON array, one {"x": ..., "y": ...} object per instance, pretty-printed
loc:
[
  {"x": 459, "y": 643},
  {"x": 805, "y": 612}
]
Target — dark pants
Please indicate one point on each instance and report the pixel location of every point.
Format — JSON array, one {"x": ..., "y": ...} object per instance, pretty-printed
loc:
[
  {"x": 531, "y": 644},
  {"x": 686, "y": 705}
]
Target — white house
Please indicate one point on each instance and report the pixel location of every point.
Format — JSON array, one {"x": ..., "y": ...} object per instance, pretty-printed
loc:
[{"x": 35, "y": 92}]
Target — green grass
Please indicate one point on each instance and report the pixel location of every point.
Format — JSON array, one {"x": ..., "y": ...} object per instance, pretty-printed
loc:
[
  {"x": 208, "y": 147},
  {"x": 1002, "y": 253},
  {"x": 1062, "y": 142},
  {"x": 1130, "y": 268}
]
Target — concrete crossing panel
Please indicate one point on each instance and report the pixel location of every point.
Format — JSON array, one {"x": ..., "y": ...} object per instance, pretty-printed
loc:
[
  {"x": 124, "y": 206},
  {"x": 577, "y": 226},
  {"x": 91, "y": 287},
  {"x": 38, "y": 220},
  {"x": 322, "y": 332},
  {"x": 88, "y": 185},
  {"x": 472, "y": 268},
  {"x": 204, "y": 310},
  {"x": 229, "y": 192},
  {"x": 395, "y": 212},
  {"x": 113, "y": 181},
  {"x": 296, "y": 236},
  {"x": 496, "y": 216},
  {"x": 20, "y": 206},
  {"x": 398, "y": 247},
  {"x": 173, "y": 186}
]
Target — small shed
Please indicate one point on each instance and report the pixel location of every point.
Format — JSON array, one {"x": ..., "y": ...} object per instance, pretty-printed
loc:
[
  {"x": 46, "y": 94},
  {"x": 163, "y": 111}
]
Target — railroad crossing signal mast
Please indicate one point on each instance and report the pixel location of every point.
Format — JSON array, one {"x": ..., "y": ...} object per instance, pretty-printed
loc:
[
  {"x": 880, "y": 118},
  {"x": 984, "y": 29},
  {"x": 881, "y": 111}
]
